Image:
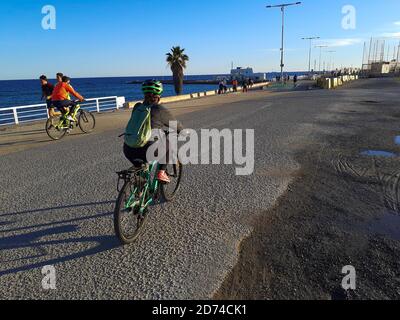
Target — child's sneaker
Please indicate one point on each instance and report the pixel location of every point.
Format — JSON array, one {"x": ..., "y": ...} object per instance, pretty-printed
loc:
[{"x": 163, "y": 177}]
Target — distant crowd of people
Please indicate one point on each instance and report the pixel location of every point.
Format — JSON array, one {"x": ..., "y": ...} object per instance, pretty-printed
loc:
[
  {"x": 345, "y": 72},
  {"x": 245, "y": 83},
  {"x": 286, "y": 79}
]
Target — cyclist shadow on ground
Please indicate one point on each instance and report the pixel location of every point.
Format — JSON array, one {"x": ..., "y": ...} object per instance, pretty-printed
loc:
[
  {"x": 17, "y": 135},
  {"x": 41, "y": 210},
  {"x": 30, "y": 241},
  {"x": 21, "y": 133},
  {"x": 43, "y": 225},
  {"x": 16, "y": 143},
  {"x": 6, "y": 223}
]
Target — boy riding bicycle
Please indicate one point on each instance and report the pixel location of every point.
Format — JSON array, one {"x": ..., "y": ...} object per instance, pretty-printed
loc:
[
  {"x": 160, "y": 118},
  {"x": 61, "y": 99}
]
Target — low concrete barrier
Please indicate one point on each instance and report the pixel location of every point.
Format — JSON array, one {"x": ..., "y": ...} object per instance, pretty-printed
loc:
[
  {"x": 331, "y": 83},
  {"x": 177, "y": 98},
  {"x": 324, "y": 83},
  {"x": 196, "y": 95},
  {"x": 130, "y": 105}
]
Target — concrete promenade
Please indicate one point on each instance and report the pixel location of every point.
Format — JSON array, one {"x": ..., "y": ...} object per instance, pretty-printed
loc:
[{"x": 304, "y": 216}]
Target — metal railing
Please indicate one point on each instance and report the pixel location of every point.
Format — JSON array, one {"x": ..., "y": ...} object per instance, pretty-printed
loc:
[{"x": 17, "y": 115}]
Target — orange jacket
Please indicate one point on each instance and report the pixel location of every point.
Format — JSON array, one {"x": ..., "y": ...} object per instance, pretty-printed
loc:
[{"x": 61, "y": 91}]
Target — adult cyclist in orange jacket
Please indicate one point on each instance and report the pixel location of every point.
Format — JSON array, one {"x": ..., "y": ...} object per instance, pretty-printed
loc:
[{"x": 61, "y": 99}]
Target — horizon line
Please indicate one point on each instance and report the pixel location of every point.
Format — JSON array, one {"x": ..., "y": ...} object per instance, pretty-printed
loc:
[{"x": 150, "y": 77}]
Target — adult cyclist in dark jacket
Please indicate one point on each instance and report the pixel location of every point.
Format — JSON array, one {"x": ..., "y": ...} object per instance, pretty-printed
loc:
[
  {"x": 160, "y": 119},
  {"x": 47, "y": 91}
]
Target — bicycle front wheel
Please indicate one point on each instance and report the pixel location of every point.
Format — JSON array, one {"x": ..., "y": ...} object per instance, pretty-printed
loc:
[
  {"x": 128, "y": 222},
  {"x": 86, "y": 121},
  {"x": 55, "y": 128}
]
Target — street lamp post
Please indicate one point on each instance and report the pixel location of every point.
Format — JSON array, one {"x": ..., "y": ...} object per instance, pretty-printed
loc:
[
  {"x": 320, "y": 55},
  {"x": 331, "y": 59},
  {"x": 309, "y": 54},
  {"x": 282, "y": 7}
]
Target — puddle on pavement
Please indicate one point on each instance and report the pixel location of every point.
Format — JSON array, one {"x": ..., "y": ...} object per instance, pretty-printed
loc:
[
  {"x": 397, "y": 140},
  {"x": 378, "y": 153},
  {"x": 388, "y": 225}
]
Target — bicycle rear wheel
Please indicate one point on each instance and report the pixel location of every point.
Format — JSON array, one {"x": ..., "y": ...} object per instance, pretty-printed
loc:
[
  {"x": 86, "y": 121},
  {"x": 128, "y": 222},
  {"x": 54, "y": 128},
  {"x": 170, "y": 190}
]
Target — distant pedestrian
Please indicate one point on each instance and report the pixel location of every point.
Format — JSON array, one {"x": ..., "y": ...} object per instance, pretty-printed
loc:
[
  {"x": 295, "y": 80},
  {"x": 235, "y": 85},
  {"x": 225, "y": 86},
  {"x": 251, "y": 83},
  {"x": 221, "y": 88},
  {"x": 47, "y": 91},
  {"x": 244, "y": 85}
]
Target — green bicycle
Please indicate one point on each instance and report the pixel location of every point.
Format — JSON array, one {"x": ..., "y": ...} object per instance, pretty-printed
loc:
[
  {"x": 140, "y": 190},
  {"x": 58, "y": 126}
]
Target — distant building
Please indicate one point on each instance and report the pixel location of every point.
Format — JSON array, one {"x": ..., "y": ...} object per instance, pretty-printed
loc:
[
  {"x": 247, "y": 73},
  {"x": 380, "y": 67},
  {"x": 394, "y": 66}
]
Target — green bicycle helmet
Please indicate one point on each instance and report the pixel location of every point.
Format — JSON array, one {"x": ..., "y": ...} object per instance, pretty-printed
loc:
[{"x": 153, "y": 86}]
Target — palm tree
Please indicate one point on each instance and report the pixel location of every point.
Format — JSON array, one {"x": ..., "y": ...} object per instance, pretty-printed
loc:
[{"x": 177, "y": 62}]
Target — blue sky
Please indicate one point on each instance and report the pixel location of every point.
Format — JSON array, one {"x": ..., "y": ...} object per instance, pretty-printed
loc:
[{"x": 130, "y": 37}]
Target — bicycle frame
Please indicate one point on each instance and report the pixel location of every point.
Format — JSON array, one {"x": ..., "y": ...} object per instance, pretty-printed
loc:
[
  {"x": 77, "y": 108},
  {"x": 149, "y": 191},
  {"x": 64, "y": 116}
]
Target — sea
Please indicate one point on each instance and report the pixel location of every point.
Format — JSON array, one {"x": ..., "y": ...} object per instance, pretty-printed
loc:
[{"x": 14, "y": 93}]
